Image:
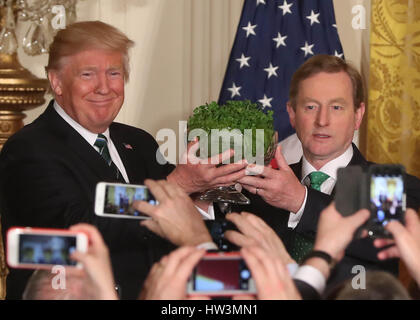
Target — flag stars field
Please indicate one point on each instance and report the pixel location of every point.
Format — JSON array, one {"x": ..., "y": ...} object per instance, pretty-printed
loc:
[
  {"x": 250, "y": 29},
  {"x": 280, "y": 40},
  {"x": 265, "y": 102},
  {"x": 243, "y": 61},
  {"x": 271, "y": 71},
  {"x": 234, "y": 90},
  {"x": 286, "y": 7},
  {"x": 307, "y": 48},
  {"x": 273, "y": 38},
  {"x": 313, "y": 17}
]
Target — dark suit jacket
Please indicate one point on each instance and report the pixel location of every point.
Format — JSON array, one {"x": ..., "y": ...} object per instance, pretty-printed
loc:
[
  {"x": 48, "y": 175},
  {"x": 359, "y": 252}
]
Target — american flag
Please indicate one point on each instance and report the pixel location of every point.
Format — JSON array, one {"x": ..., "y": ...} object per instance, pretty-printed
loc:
[{"x": 273, "y": 39}]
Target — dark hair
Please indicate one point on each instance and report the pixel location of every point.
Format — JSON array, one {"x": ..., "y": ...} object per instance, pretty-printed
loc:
[{"x": 328, "y": 64}]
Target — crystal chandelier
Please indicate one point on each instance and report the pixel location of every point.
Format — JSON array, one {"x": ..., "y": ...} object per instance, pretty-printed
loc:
[{"x": 41, "y": 15}]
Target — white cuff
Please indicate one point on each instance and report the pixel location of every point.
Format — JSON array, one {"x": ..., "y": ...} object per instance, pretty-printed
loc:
[
  {"x": 209, "y": 215},
  {"x": 311, "y": 276},
  {"x": 292, "y": 267},
  {"x": 207, "y": 246},
  {"x": 294, "y": 218}
]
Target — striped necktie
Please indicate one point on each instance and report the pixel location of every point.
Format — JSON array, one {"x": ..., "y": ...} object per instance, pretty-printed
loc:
[{"x": 102, "y": 144}]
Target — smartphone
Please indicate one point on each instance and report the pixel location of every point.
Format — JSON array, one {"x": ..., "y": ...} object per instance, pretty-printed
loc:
[
  {"x": 34, "y": 248},
  {"x": 380, "y": 188},
  {"x": 115, "y": 200},
  {"x": 221, "y": 274},
  {"x": 387, "y": 198}
]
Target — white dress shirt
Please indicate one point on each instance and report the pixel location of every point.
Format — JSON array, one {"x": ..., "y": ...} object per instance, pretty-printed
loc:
[
  {"x": 327, "y": 186},
  {"x": 90, "y": 137},
  {"x": 309, "y": 274}
]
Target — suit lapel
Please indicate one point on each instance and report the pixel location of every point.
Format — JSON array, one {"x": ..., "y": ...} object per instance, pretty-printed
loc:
[
  {"x": 357, "y": 159},
  {"x": 129, "y": 153},
  {"x": 76, "y": 145}
]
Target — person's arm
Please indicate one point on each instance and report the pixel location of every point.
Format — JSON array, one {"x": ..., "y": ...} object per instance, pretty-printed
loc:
[
  {"x": 335, "y": 232},
  {"x": 271, "y": 276},
  {"x": 175, "y": 217},
  {"x": 255, "y": 232},
  {"x": 96, "y": 262},
  {"x": 406, "y": 243}
]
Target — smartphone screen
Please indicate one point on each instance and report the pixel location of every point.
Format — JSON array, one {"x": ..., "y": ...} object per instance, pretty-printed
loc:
[
  {"x": 46, "y": 249},
  {"x": 222, "y": 276},
  {"x": 387, "y": 197},
  {"x": 119, "y": 200}
]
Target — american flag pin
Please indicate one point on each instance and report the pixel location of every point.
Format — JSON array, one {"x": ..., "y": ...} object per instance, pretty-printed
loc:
[{"x": 128, "y": 146}]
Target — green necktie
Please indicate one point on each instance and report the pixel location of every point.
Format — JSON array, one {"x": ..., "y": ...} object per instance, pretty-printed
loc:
[
  {"x": 303, "y": 244},
  {"x": 317, "y": 179},
  {"x": 102, "y": 144}
]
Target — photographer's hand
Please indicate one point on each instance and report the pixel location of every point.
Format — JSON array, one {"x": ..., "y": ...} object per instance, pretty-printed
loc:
[
  {"x": 175, "y": 217},
  {"x": 334, "y": 234},
  {"x": 255, "y": 232},
  {"x": 271, "y": 277},
  {"x": 406, "y": 243},
  {"x": 167, "y": 280},
  {"x": 96, "y": 262}
]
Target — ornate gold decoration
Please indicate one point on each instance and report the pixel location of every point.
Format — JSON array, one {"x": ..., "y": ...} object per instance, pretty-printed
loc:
[{"x": 393, "y": 117}]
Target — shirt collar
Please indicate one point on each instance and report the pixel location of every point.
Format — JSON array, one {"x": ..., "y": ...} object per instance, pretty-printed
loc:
[
  {"x": 90, "y": 137},
  {"x": 331, "y": 167}
]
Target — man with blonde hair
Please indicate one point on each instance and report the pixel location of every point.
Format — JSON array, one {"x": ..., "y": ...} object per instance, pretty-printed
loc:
[{"x": 50, "y": 168}]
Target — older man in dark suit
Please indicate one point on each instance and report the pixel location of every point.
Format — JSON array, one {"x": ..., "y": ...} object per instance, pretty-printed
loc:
[
  {"x": 50, "y": 168},
  {"x": 326, "y": 106}
]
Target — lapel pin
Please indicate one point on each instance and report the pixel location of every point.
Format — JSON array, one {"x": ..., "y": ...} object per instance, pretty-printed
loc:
[{"x": 128, "y": 146}]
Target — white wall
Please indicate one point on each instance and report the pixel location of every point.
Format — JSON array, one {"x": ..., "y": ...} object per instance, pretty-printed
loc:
[{"x": 182, "y": 47}]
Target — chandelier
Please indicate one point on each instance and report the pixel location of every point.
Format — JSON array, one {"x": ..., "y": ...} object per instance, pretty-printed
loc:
[{"x": 45, "y": 18}]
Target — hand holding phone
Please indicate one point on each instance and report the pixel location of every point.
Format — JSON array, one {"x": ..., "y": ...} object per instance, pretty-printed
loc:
[
  {"x": 221, "y": 274},
  {"x": 115, "y": 200},
  {"x": 380, "y": 188},
  {"x": 34, "y": 248}
]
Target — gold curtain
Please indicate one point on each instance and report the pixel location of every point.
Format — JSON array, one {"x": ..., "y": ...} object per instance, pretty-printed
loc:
[{"x": 393, "y": 116}]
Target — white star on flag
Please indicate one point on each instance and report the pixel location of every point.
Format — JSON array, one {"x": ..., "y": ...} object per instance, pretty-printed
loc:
[
  {"x": 260, "y": 1},
  {"x": 266, "y": 102},
  {"x": 280, "y": 40},
  {"x": 243, "y": 61},
  {"x": 235, "y": 90},
  {"x": 307, "y": 48},
  {"x": 313, "y": 17},
  {"x": 339, "y": 55},
  {"x": 271, "y": 71},
  {"x": 286, "y": 7},
  {"x": 250, "y": 29}
]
